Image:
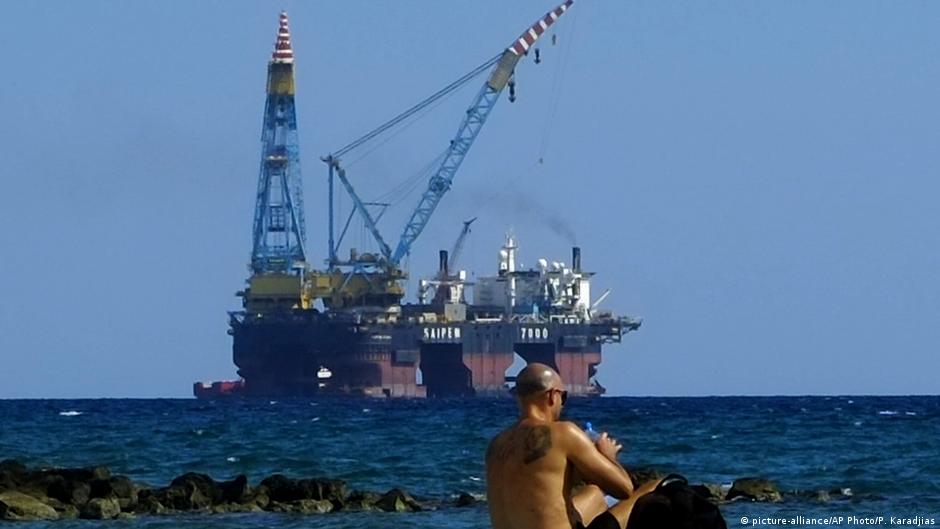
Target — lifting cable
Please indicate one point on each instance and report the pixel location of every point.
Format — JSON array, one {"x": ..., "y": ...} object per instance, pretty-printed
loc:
[
  {"x": 418, "y": 107},
  {"x": 405, "y": 188},
  {"x": 557, "y": 83}
]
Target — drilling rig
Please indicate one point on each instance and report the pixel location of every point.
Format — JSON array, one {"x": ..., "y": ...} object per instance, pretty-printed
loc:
[{"x": 345, "y": 329}]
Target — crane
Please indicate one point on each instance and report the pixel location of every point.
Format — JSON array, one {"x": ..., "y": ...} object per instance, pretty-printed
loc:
[
  {"x": 458, "y": 244},
  {"x": 449, "y": 284},
  {"x": 501, "y": 75},
  {"x": 470, "y": 128}
]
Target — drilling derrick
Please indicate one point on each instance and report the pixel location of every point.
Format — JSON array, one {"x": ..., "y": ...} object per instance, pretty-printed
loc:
[{"x": 278, "y": 257}]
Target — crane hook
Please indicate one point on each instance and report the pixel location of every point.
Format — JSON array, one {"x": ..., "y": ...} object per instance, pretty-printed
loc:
[
  {"x": 512, "y": 90},
  {"x": 538, "y": 56}
]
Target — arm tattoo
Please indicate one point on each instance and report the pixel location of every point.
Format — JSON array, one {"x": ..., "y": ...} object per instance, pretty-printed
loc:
[{"x": 538, "y": 440}]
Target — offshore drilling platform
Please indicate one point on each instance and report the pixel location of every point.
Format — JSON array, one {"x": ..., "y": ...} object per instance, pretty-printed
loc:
[{"x": 345, "y": 329}]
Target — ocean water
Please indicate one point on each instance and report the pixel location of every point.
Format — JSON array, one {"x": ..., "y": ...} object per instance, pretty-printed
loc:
[{"x": 884, "y": 450}]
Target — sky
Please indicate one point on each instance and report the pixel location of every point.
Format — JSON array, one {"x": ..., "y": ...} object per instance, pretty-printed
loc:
[{"x": 756, "y": 180}]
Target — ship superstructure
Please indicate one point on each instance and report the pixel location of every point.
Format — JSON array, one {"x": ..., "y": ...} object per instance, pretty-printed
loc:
[{"x": 345, "y": 328}]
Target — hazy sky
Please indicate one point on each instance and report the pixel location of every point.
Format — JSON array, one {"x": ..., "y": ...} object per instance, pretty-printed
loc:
[{"x": 757, "y": 180}]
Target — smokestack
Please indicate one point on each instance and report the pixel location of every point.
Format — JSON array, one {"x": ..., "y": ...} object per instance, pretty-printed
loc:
[
  {"x": 442, "y": 265},
  {"x": 576, "y": 268}
]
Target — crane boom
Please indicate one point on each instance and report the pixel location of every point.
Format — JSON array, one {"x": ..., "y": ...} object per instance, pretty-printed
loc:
[
  {"x": 469, "y": 129},
  {"x": 357, "y": 202},
  {"x": 458, "y": 244}
]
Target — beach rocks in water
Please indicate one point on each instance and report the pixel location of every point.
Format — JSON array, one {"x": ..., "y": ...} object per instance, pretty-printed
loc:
[
  {"x": 302, "y": 506},
  {"x": 12, "y": 473},
  {"x": 119, "y": 488},
  {"x": 282, "y": 489},
  {"x": 93, "y": 493},
  {"x": 754, "y": 489},
  {"x": 713, "y": 492},
  {"x": 18, "y": 506},
  {"x": 191, "y": 491},
  {"x": 397, "y": 500},
  {"x": 822, "y": 495},
  {"x": 149, "y": 504},
  {"x": 360, "y": 500},
  {"x": 101, "y": 509},
  {"x": 465, "y": 499},
  {"x": 235, "y": 491}
]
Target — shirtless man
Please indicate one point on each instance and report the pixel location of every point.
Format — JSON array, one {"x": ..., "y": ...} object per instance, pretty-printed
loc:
[{"x": 532, "y": 467}]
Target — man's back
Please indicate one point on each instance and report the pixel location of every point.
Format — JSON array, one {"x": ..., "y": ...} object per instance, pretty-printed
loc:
[
  {"x": 527, "y": 477},
  {"x": 531, "y": 466}
]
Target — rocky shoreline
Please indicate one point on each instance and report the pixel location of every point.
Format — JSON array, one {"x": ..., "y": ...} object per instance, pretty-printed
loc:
[
  {"x": 95, "y": 493},
  {"x": 751, "y": 489}
]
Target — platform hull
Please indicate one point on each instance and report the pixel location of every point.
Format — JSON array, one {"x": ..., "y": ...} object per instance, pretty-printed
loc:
[{"x": 288, "y": 354}]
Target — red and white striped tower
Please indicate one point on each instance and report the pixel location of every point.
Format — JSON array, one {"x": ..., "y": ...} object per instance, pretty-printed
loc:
[{"x": 283, "y": 52}]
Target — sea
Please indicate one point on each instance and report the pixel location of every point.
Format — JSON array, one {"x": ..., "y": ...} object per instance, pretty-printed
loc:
[{"x": 880, "y": 456}]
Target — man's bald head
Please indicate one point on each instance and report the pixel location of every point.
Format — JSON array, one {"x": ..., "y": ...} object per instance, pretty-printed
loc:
[{"x": 534, "y": 379}]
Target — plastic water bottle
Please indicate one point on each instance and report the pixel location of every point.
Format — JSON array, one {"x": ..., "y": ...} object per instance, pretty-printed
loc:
[
  {"x": 594, "y": 435},
  {"x": 591, "y": 432}
]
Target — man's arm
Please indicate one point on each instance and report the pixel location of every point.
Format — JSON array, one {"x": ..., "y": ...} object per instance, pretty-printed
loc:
[{"x": 596, "y": 467}]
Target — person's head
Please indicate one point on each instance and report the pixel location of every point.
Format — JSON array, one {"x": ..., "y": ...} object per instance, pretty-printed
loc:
[{"x": 539, "y": 386}]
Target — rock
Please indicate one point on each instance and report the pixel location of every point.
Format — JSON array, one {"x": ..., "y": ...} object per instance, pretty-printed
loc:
[
  {"x": 71, "y": 491},
  {"x": 822, "y": 496},
  {"x": 258, "y": 499},
  {"x": 333, "y": 490},
  {"x": 188, "y": 492},
  {"x": 285, "y": 490},
  {"x": 76, "y": 474},
  {"x": 201, "y": 484},
  {"x": 18, "y": 506},
  {"x": 236, "y": 490},
  {"x": 66, "y": 511},
  {"x": 93, "y": 493},
  {"x": 12, "y": 474},
  {"x": 224, "y": 508},
  {"x": 841, "y": 493},
  {"x": 126, "y": 516},
  {"x": 70, "y": 485},
  {"x": 276, "y": 506},
  {"x": 303, "y": 506},
  {"x": 397, "y": 500},
  {"x": 754, "y": 489},
  {"x": 465, "y": 499},
  {"x": 182, "y": 498},
  {"x": 713, "y": 492},
  {"x": 120, "y": 488},
  {"x": 643, "y": 475},
  {"x": 280, "y": 488},
  {"x": 361, "y": 501},
  {"x": 314, "y": 506},
  {"x": 148, "y": 503},
  {"x": 101, "y": 509},
  {"x": 100, "y": 488}
]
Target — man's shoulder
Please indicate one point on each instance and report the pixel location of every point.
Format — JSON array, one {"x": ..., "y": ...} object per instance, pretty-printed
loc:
[
  {"x": 568, "y": 435},
  {"x": 565, "y": 428}
]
